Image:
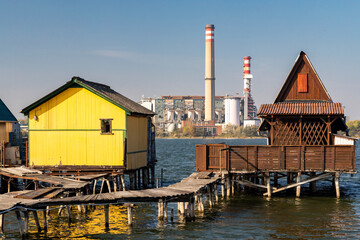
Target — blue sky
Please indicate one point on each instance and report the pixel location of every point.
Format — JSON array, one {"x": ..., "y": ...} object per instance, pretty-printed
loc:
[{"x": 156, "y": 48}]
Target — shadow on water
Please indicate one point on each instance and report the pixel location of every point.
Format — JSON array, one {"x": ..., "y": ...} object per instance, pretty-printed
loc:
[{"x": 243, "y": 216}]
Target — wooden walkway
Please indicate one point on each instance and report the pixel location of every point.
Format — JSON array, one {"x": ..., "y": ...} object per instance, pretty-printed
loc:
[{"x": 178, "y": 192}]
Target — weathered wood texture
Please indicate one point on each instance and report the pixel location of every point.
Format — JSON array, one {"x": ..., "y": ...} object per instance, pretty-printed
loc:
[
  {"x": 283, "y": 158},
  {"x": 177, "y": 192}
]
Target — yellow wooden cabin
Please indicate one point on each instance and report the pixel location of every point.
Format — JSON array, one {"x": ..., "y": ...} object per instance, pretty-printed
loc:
[{"x": 85, "y": 125}]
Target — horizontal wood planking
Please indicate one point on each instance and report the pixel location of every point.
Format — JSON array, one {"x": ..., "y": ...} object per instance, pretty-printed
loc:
[{"x": 276, "y": 158}]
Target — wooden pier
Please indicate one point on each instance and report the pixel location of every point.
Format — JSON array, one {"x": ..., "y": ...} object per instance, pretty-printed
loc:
[{"x": 188, "y": 194}]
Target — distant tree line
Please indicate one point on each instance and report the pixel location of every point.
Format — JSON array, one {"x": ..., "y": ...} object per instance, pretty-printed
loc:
[{"x": 354, "y": 128}]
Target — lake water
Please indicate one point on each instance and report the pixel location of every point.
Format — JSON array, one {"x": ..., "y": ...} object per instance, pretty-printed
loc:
[{"x": 243, "y": 216}]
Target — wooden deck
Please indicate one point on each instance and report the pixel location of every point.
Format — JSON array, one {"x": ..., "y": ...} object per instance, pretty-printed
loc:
[
  {"x": 178, "y": 192},
  {"x": 35, "y": 175},
  {"x": 328, "y": 158}
]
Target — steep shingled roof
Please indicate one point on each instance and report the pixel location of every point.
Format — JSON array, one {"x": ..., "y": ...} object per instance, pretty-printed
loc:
[
  {"x": 5, "y": 114},
  {"x": 102, "y": 90}
]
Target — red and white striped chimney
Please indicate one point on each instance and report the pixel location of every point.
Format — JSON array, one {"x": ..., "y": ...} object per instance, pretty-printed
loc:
[{"x": 247, "y": 86}]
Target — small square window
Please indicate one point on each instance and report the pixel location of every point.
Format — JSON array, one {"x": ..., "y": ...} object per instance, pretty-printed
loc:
[{"x": 106, "y": 126}]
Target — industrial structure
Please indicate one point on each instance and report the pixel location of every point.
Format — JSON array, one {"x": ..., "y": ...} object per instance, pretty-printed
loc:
[
  {"x": 209, "y": 73},
  {"x": 208, "y": 110},
  {"x": 86, "y": 127}
]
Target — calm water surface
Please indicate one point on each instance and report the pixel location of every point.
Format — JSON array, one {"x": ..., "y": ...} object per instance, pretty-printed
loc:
[{"x": 249, "y": 216}]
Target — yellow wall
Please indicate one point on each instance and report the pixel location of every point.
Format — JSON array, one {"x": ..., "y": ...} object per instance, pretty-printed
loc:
[
  {"x": 67, "y": 131},
  {"x": 136, "y": 142}
]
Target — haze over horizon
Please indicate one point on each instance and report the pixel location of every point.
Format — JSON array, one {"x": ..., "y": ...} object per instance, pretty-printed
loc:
[{"x": 155, "y": 48}]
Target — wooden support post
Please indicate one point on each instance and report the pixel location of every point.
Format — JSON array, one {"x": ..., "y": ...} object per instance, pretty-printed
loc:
[
  {"x": 102, "y": 185},
  {"x": 132, "y": 179},
  {"x": 192, "y": 207},
  {"x": 337, "y": 187},
  {"x": 2, "y": 221},
  {"x": 115, "y": 183},
  {"x": 26, "y": 222},
  {"x": 157, "y": 182},
  {"x": 268, "y": 185},
  {"x": 232, "y": 184},
  {"x": 210, "y": 197},
  {"x": 152, "y": 179},
  {"x": 228, "y": 186},
  {"x": 45, "y": 220},
  {"x": 130, "y": 214},
  {"x": 216, "y": 192},
  {"x": 108, "y": 185},
  {"x": 68, "y": 210},
  {"x": 181, "y": 208},
  {"x": 139, "y": 178},
  {"x": 36, "y": 218},
  {"x": 162, "y": 177},
  {"x": 20, "y": 223},
  {"x": 223, "y": 186},
  {"x": 165, "y": 211},
  {"x": 106, "y": 208},
  {"x": 172, "y": 215},
  {"x": 122, "y": 179},
  {"x": 313, "y": 184},
  {"x": 94, "y": 188},
  {"x": 298, "y": 188},
  {"x": 161, "y": 210},
  {"x": 144, "y": 178}
]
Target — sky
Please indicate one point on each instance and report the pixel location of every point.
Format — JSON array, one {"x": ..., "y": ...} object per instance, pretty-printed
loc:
[{"x": 155, "y": 48}]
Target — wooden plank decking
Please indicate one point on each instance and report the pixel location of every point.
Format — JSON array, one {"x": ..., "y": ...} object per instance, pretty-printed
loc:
[{"x": 181, "y": 191}]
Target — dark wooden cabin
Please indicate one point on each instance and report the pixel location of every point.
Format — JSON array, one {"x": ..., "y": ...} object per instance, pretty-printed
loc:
[
  {"x": 303, "y": 112},
  {"x": 302, "y": 124}
]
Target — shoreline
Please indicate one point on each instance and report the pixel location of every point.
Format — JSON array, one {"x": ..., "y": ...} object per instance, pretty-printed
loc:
[{"x": 210, "y": 137}]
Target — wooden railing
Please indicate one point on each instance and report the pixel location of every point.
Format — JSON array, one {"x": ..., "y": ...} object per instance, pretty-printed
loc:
[{"x": 275, "y": 158}]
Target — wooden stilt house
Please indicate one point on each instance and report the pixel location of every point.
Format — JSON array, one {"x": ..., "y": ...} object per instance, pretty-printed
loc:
[
  {"x": 303, "y": 112},
  {"x": 87, "y": 126},
  {"x": 302, "y": 123}
]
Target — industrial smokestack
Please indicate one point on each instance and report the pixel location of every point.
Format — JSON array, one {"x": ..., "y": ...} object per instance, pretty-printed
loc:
[
  {"x": 247, "y": 86},
  {"x": 209, "y": 73}
]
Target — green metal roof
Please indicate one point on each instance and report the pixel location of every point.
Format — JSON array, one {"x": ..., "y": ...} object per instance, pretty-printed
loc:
[
  {"x": 5, "y": 114},
  {"x": 99, "y": 89}
]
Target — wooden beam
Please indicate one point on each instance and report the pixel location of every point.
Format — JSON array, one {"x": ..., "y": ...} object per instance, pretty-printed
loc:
[
  {"x": 26, "y": 222},
  {"x": 311, "y": 179},
  {"x": 251, "y": 184},
  {"x": 36, "y": 218},
  {"x": 20, "y": 223}
]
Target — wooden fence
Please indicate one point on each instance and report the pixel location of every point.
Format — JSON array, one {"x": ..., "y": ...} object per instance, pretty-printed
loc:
[{"x": 275, "y": 158}]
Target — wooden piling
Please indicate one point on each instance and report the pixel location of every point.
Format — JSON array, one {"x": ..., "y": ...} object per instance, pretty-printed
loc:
[
  {"x": 2, "y": 221},
  {"x": 160, "y": 210},
  {"x": 94, "y": 188},
  {"x": 268, "y": 184},
  {"x": 165, "y": 211},
  {"x": 122, "y": 179},
  {"x": 26, "y": 222},
  {"x": 210, "y": 197},
  {"x": 36, "y": 218},
  {"x": 336, "y": 181},
  {"x": 68, "y": 210},
  {"x": 129, "y": 207},
  {"x": 139, "y": 178},
  {"x": 228, "y": 186},
  {"x": 298, "y": 188},
  {"x": 132, "y": 179},
  {"x": 20, "y": 223},
  {"x": 45, "y": 220}
]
